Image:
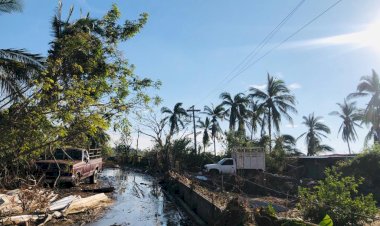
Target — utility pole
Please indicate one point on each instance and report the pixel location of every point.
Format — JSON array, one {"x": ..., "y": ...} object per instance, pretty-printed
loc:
[{"x": 192, "y": 109}]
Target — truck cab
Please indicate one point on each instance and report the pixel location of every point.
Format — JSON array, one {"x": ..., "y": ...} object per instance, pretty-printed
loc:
[
  {"x": 71, "y": 165},
  {"x": 224, "y": 166},
  {"x": 240, "y": 161}
]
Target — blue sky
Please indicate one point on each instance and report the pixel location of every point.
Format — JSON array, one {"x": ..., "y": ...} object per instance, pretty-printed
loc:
[{"x": 191, "y": 46}]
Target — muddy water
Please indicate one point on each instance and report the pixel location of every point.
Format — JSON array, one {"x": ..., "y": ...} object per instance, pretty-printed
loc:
[{"x": 139, "y": 200}]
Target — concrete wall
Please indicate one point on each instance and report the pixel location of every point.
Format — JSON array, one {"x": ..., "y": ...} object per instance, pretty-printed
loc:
[{"x": 202, "y": 207}]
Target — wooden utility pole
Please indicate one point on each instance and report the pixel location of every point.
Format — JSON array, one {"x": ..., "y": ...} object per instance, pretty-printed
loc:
[{"x": 192, "y": 109}]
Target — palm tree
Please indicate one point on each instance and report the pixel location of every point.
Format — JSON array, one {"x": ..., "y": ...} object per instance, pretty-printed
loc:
[
  {"x": 277, "y": 101},
  {"x": 236, "y": 110},
  {"x": 313, "y": 137},
  {"x": 16, "y": 65},
  {"x": 175, "y": 117},
  {"x": 206, "y": 127},
  {"x": 370, "y": 86},
  {"x": 350, "y": 116},
  {"x": 8, "y": 6},
  {"x": 254, "y": 117},
  {"x": 286, "y": 143},
  {"x": 215, "y": 113}
]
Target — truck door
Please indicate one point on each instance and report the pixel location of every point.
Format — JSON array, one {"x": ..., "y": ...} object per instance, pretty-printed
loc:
[
  {"x": 228, "y": 166},
  {"x": 87, "y": 167}
]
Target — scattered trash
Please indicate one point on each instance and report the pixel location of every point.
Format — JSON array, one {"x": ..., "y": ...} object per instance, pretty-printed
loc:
[
  {"x": 99, "y": 190},
  {"x": 201, "y": 178},
  {"x": 41, "y": 205},
  {"x": 62, "y": 203}
]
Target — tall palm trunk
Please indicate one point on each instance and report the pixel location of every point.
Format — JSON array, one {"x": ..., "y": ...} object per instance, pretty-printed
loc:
[
  {"x": 270, "y": 129},
  {"x": 376, "y": 136},
  {"x": 349, "y": 149},
  {"x": 214, "y": 146},
  {"x": 252, "y": 126}
]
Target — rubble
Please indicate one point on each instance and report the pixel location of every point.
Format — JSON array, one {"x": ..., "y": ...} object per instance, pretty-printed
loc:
[{"x": 38, "y": 206}]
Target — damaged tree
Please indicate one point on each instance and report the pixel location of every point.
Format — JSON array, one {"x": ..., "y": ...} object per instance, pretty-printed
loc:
[{"x": 86, "y": 87}]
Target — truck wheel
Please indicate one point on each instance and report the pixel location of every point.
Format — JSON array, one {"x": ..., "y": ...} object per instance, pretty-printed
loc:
[
  {"x": 76, "y": 180},
  {"x": 94, "y": 177},
  {"x": 214, "y": 172}
]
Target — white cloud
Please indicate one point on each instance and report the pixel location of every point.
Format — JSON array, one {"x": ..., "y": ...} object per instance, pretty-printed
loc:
[
  {"x": 294, "y": 86},
  {"x": 368, "y": 37},
  {"x": 261, "y": 87},
  {"x": 291, "y": 126}
]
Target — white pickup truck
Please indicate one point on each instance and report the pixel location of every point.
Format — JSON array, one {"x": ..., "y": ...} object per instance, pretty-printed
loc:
[{"x": 239, "y": 161}]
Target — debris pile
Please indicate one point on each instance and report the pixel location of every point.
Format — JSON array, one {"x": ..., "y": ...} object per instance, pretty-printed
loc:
[
  {"x": 39, "y": 206},
  {"x": 219, "y": 199}
]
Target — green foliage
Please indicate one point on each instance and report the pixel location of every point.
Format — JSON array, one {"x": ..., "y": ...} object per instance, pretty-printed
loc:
[
  {"x": 327, "y": 221},
  {"x": 277, "y": 102},
  {"x": 313, "y": 137},
  {"x": 86, "y": 87},
  {"x": 235, "y": 140},
  {"x": 275, "y": 161},
  {"x": 236, "y": 111},
  {"x": 370, "y": 86},
  {"x": 338, "y": 197},
  {"x": 351, "y": 116},
  {"x": 175, "y": 118},
  {"x": 366, "y": 165}
]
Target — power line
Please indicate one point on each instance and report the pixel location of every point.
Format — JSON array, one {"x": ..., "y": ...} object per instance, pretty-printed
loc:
[
  {"x": 258, "y": 48},
  {"x": 286, "y": 39},
  {"x": 277, "y": 46}
]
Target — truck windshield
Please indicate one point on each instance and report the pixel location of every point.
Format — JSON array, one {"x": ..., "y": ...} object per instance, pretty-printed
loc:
[
  {"x": 221, "y": 161},
  {"x": 71, "y": 154}
]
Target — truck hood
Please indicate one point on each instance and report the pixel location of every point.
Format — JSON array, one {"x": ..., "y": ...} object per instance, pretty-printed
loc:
[{"x": 214, "y": 165}]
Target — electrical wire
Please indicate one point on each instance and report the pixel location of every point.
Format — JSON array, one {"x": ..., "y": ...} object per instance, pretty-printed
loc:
[{"x": 258, "y": 48}]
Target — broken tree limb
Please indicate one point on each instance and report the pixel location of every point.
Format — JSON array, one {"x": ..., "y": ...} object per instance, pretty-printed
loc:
[
  {"x": 16, "y": 220},
  {"x": 91, "y": 202}
]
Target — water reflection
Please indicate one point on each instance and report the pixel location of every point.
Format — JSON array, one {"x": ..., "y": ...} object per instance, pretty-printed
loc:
[{"x": 139, "y": 201}]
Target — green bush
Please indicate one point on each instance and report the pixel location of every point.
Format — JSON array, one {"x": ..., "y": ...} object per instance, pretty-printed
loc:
[
  {"x": 338, "y": 197},
  {"x": 366, "y": 165}
]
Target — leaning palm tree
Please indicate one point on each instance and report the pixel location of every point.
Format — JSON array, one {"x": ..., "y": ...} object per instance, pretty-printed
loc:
[
  {"x": 174, "y": 117},
  {"x": 206, "y": 127},
  {"x": 16, "y": 65},
  {"x": 236, "y": 110},
  {"x": 215, "y": 113},
  {"x": 313, "y": 137},
  {"x": 350, "y": 116},
  {"x": 370, "y": 86},
  {"x": 277, "y": 101}
]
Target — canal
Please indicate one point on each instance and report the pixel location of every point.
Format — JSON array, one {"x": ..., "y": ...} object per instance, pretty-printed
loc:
[{"x": 139, "y": 200}]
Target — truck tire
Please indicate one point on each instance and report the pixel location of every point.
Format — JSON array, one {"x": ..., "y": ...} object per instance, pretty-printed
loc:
[
  {"x": 94, "y": 177},
  {"x": 214, "y": 172},
  {"x": 76, "y": 181}
]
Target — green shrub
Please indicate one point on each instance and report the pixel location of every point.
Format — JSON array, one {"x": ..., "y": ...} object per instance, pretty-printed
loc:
[
  {"x": 366, "y": 165},
  {"x": 338, "y": 197}
]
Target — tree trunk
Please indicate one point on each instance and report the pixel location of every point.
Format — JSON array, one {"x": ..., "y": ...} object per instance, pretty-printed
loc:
[
  {"x": 214, "y": 146},
  {"x": 349, "y": 149},
  {"x": 252, "y": 133},
  {"x": 376, "y": 136},
  {"x": 270, "y": 130}
]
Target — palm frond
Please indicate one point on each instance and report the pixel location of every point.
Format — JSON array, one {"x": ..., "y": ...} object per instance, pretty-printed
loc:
[
  {"x": 8, "y": 6},
  {"x": 24, "y": 57}
]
